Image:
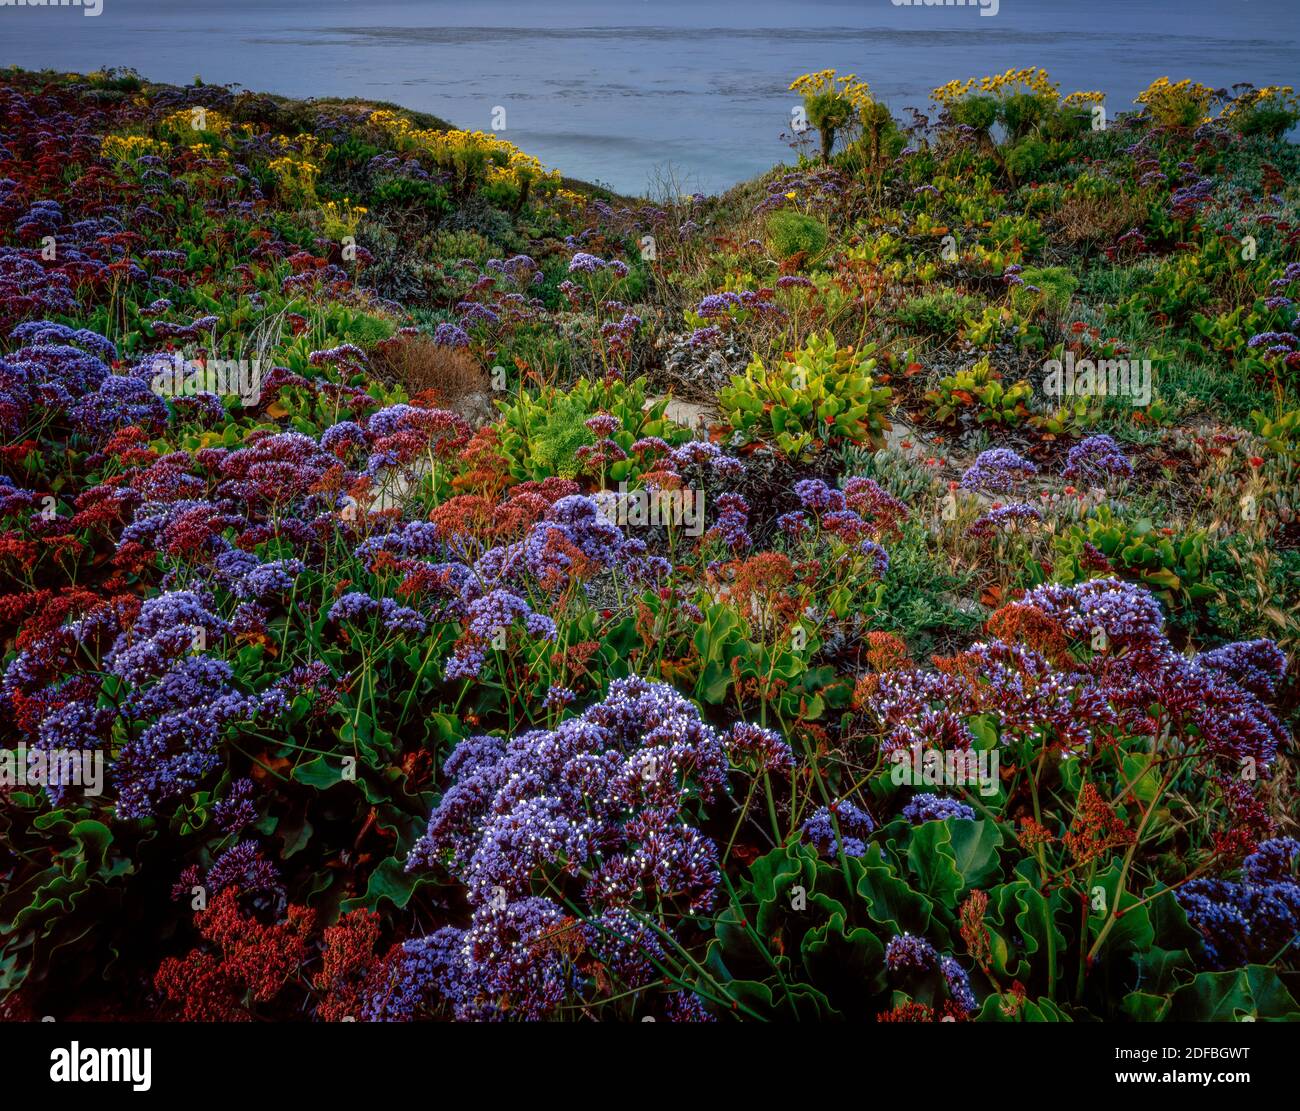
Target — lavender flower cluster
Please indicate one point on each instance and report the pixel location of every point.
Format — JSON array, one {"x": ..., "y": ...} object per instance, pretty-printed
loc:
[
  {"x": 855, "y": 826},
  {"x": 997, "y": 471},
  {"x": 1004, "y": 516},
  {"x": 1096, "y": 458},
  {"x": 188, "y": 699},
  {"x": 908, "y": 957},
  {"x": 925, "y": 807},
  {"x": 1253, "y": 920},
  {"x": 592, "y": 812},
  {"x": 1139, "y": 684}
]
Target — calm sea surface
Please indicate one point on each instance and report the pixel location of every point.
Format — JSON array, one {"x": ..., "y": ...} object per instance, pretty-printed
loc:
[{"x": 619, "y": 91}]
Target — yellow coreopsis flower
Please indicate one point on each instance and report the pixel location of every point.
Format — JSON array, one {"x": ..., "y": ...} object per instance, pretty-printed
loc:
[
  {"x": 1074, "y": 100},
  {"x": 127, "y": 148},
  {"x": 186, "y": 121},
  {"x": 1029, "y": 81}
]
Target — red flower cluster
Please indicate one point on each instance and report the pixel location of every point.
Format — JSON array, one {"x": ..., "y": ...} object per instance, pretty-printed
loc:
[{"x": 245, "y": 962}]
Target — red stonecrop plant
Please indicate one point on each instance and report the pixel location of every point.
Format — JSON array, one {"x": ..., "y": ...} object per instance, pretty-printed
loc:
[{"x": 243, "y": 963}]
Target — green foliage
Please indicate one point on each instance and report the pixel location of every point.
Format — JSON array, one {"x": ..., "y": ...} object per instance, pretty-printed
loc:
[
  {"x": 822, "y": 394},
  {"x": 1023, "y": 113},
  {"x": 1024, "y": 232},
  {"x": 1074, "y": 418},
  {"x": 1281, "y": 433},
  {"x": 403, "y": 192},
  {"x": 733, "y": 652},
  {"x": 1270, "y": 121},
  {"x": 924, "y": 597},
  {"x": 1055, "y": 285},
  {"x": 1025, "y": 158},
  {"x": 793, "y": 233},
  {"x": 120, "y": 79},
  {"x": 937, "y": 314},
  {"x": 829, "y": 111},
  {"x": 979, "y": 112},
  {"x": 804, "y": 937},
  {"x": 541, "y": 432},
  {"x": 555, "y": 434},
  {"x": 1175, "y": 567},
  {"x": 978, "y": 391}
]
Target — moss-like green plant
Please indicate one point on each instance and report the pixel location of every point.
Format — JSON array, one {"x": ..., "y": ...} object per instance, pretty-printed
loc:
[
  {"x": 937, "y": 314},
  {"x": 977, "y": 112},
  {"x": 1025, "y": 158},
  {"x": 1048, "y": 286},
  {"x": 1023, "y": 113},
  {"x": 793, "y": 233}
]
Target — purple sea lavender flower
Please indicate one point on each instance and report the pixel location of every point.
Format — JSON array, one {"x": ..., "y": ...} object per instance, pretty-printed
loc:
[
  {"x": 997, "y": 470},
  {"x": 245, "y": 867},
  {"x": 1095, "y": 458},
  {"x": 925, "y": 807},
  {"x": 1002, "y": 516},
  {"x": 816, "y": 495},
  {"x": 908, "y": 953},
  {"x": 959, "y": 989},
  {"x": 237, "y": 809},
  {"x": 732, "y": 524},
  {"x": 1254, "y": 920},
  {"x": 765, "y": 746},
  {"x": 855, "y": 824}
]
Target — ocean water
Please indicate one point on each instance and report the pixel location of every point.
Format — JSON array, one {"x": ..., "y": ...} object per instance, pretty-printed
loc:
[{"x": 634, "y": 92}]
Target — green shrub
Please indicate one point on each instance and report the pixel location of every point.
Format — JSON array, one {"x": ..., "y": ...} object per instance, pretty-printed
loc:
[
  {"x": 1056, "y": 285},
  {"x": 452, "y": 245},
  {"x": 1025, "y": 158},
  {"x": 1023, "y": 113},
  {"x": 409, "y": 193},
  {"x": 937, "y": 314},
  {"x": 121, "y": 79},
  {"x": 1269, "y": 120},
  {"x": 542, "y": 432},
  {"x": 792, "y": 233},
  {"x": 979, "y": 112}
]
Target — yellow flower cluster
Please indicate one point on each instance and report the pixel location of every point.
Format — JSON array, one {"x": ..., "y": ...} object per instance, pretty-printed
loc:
[
  {"x": 470, "y": 154},
  {"x": 297, "y": 177},
  {"x": 1181, "y": 103},
  {"x": 826, "y": 82},
  {"x": 389, "y": 122},
  {"x": 186, "y": 122},
  {"x": 1162, "y": 87},
  {"x": 523, "y": 168},
  {"x": 1270, "y": 96},
  {"x": 952, "y": 91},
  {"x": 212, "y": 154},
  {"x": 1077, "y": 100},
  {"x": 341, "y": 219},
  {"x": 461, "y": 146},
  {"x": 127, "y": 148},
  {"x": 1032, "y": 82},
  {"x": 303, "y": 145}
]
